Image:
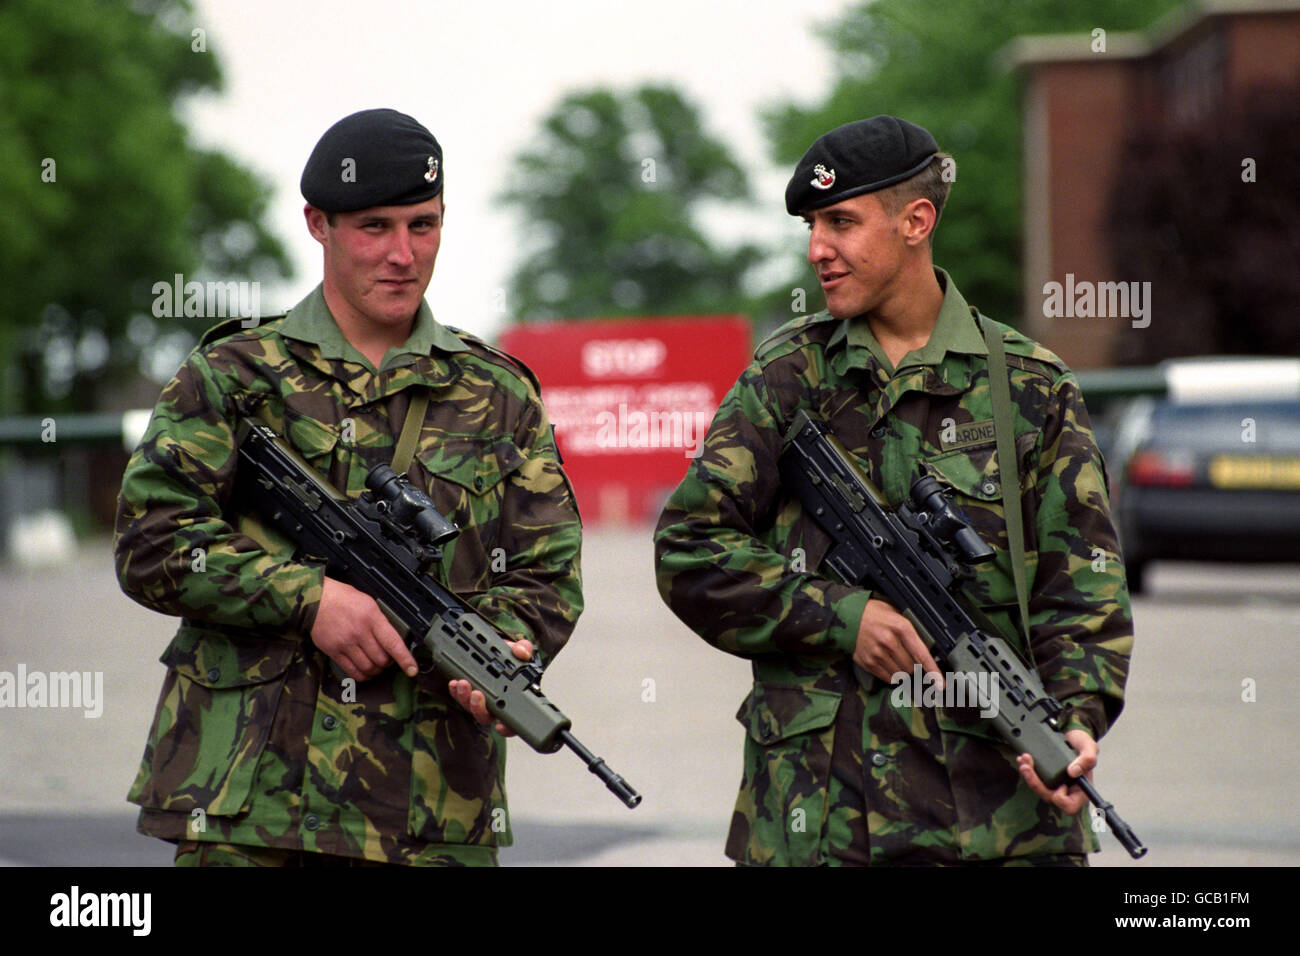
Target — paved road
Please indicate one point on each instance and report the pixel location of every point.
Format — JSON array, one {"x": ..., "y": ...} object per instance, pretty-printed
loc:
[{"x": 1202, "y": 774}]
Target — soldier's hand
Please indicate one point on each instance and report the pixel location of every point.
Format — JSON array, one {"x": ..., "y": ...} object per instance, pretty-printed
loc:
[
  {"x": 888, "y": 644},
  {"x": 352, "y": 632},
  {"x": 1068, "y": 796},
  {"x": 473, "y": 700}
]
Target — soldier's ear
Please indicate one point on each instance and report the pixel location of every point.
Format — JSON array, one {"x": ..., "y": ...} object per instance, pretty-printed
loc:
[
  {"x": 919, "y": 219},
  {"x": 317, "y": 222}
]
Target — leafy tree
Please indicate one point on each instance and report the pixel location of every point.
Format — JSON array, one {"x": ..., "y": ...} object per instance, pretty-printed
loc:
[
  {"x": 104, "y": 194},
  {"x": 609, "y": 193},
  {"x": 935, "y": 64}
]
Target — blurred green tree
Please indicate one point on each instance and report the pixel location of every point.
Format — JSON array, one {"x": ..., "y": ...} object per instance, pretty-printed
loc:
[
  {"x": 935, "y": 64},
  {"x": 104, "y": 194},
  {"x": 610, "y": 193}
]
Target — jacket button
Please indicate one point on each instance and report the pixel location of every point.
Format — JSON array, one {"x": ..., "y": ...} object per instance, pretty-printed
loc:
[
  {"x": 878, "y": 431},
  {"x": 478, "y": 483},
  {"x": 988, "y": 488},
  {"x": 214, "y": 674},
  {"x": 330, "y": 722},
  {"x": 879, "y": 760},
  {"x": 312, "y": 822}
]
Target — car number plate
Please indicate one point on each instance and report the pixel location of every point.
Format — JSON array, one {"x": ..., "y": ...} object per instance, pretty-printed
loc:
[{"x": 1255, "y": 471}]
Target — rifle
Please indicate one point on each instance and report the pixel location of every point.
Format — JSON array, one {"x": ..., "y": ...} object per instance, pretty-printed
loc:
[
  {"x": 919, "y": 558},
  {"x": 384, "y": 544}
]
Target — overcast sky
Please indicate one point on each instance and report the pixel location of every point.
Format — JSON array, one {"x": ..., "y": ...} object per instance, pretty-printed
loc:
[{"x": 481, "y": 76}]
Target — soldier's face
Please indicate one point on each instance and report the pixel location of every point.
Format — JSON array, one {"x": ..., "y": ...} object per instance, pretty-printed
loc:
[
  {"x": 379, "y": 261},
  {"x": 857, "y": 249}
]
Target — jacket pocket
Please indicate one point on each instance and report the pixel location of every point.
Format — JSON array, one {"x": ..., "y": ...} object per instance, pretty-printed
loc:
[
  {"x": 457, "y": 775},
  {"x": 780, "y": 815},
  {"x": 467, "y": 481},
  {"x": 314, "y": 440},
  {"x": 477, "y": 464},
  {"x": 998, "y": 816},
  {"x": 213, "y": 720},
  {"x": 974, "y": 483}
]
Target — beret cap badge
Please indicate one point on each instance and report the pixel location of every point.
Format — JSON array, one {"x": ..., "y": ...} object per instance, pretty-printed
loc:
[
  {"x": 823, "y": 178},
  {"x": 432, "y": 174}
]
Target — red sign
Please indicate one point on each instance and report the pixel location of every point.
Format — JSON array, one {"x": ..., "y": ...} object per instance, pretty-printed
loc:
[{"x": 631, "y": 401}]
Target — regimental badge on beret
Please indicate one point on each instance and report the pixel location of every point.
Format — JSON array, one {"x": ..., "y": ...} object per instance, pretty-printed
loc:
[
  {"x": 396, "y": 162},
  {"x": 858, "y": 158}
]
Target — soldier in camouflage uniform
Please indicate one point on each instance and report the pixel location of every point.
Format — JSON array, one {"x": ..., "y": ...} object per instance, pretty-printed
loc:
[
  {"x": 283, "y": 735},
  {"x": 835, "y": 770}
]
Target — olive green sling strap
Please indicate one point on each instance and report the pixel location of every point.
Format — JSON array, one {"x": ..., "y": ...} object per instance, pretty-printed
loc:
[
  {"x": 405, "y": 450},
  {"x": 1005, "y": 436}
]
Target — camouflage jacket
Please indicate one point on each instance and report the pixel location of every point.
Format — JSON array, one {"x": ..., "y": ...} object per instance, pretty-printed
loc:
[
  {"x": 257, "y": 738},
  {"x": 738, "y": 562}
]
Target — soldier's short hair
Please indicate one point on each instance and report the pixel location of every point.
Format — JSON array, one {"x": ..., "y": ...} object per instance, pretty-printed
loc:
[{"x": 931, "y": 183}]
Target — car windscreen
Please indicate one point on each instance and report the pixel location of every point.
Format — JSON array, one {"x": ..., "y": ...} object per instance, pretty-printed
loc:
[{"x": 1247, "y": 427}]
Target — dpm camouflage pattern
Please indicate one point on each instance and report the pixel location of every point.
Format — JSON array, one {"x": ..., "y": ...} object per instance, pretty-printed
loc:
[
  {"x": 258, "y": 739},
  {"x": 738, "y": 562}
]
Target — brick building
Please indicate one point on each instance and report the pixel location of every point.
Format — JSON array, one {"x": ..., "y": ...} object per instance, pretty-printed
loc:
[{"x": 1083, "y": 96}]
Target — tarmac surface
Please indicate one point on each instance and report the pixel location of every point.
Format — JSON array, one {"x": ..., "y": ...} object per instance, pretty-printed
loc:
[{"x": 1203, "y": 763}]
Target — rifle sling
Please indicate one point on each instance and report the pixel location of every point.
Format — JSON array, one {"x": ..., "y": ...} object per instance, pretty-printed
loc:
[
  {"x": 1005, "y": 436},
  {"x": 410, "y": 431}
]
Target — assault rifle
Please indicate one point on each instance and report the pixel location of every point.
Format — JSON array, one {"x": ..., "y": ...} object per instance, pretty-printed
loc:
[
  {"x": 919, "y": 558},
  {"x": 384, "y": 544}
]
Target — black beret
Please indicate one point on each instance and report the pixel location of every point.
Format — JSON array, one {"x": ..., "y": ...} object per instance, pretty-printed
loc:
[
  {"x": 373, "y": 158},
  {"x": 858, "y": 158}
]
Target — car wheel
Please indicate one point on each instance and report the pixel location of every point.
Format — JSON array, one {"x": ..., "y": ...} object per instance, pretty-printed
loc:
[{"x": 1137, "y": 573}]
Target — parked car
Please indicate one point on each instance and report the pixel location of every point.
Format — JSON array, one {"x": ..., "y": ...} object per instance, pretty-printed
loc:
[{"x": 1210, "y": 474}]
